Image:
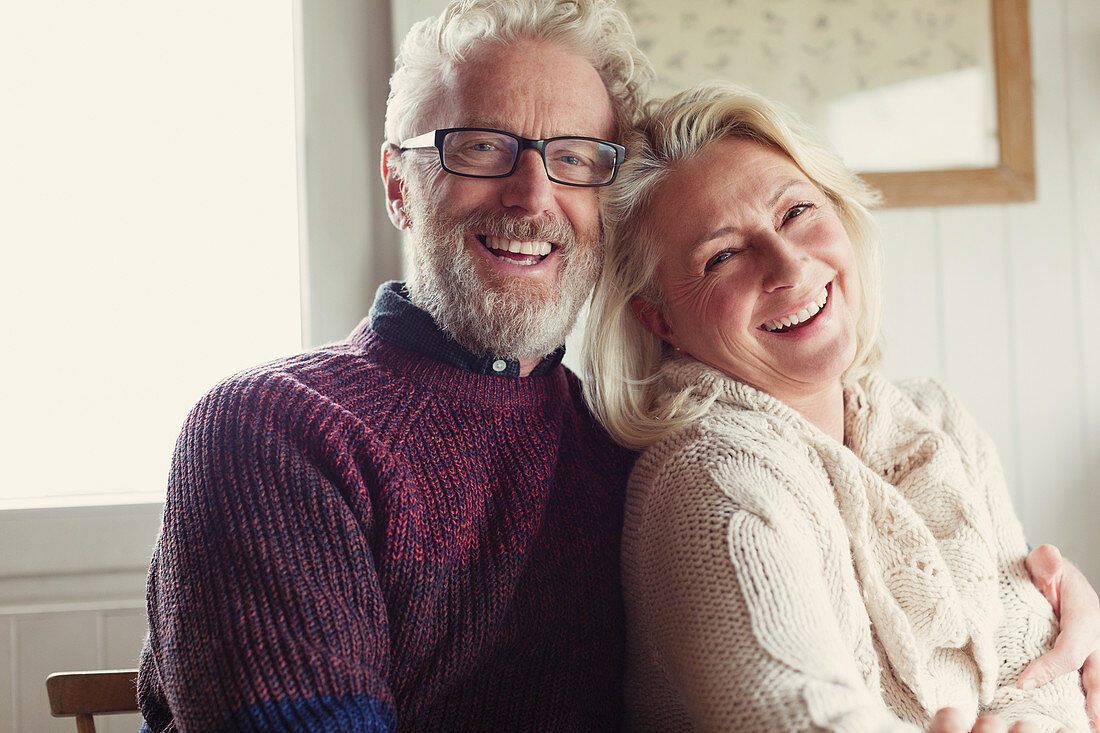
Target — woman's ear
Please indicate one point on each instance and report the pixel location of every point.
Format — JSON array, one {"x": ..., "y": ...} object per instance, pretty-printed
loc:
[
  {"x": 395, "y": 188},
  {"x": 650, "y": 316}
]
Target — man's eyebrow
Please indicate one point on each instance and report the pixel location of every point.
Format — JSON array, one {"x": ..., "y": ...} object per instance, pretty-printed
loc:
[{"x": 779, "y": 192}]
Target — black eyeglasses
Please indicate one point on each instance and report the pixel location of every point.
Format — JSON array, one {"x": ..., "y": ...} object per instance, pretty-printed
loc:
[{"x": 482, "y": 153}]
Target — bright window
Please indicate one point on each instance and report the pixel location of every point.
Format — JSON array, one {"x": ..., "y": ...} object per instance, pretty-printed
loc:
[{"x": 149, "y": 231}]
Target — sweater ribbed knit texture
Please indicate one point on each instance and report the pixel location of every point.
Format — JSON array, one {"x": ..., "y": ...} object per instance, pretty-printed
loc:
[
  {"x": 360, "y": 538},
  {"x": 778, "y": 580}
]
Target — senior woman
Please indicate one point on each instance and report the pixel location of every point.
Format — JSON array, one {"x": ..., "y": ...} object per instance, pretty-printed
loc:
[{"x": 806, "y": 545}]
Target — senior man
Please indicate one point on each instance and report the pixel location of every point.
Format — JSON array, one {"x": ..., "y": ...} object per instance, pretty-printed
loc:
[{"x": 418, "y": 527}]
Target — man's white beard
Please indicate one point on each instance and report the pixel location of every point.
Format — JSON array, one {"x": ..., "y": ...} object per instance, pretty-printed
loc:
[{"x": 509, "y": 317}]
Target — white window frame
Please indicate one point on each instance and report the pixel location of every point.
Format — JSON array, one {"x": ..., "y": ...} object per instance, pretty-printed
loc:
[{"x": 56, "y": 557}]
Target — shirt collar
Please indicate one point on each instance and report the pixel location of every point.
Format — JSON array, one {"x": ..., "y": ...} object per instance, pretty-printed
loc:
[{"x": 394, "y": 317}]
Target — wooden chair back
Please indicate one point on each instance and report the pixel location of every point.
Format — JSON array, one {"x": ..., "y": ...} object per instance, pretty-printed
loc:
[{"x": 84, "y": 694}]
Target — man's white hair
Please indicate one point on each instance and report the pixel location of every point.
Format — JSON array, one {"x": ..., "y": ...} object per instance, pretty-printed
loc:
[{"x": 594, "y": 29}]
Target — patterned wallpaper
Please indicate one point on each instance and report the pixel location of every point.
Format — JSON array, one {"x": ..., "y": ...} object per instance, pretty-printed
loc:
[{"x": 808, "y": 53}]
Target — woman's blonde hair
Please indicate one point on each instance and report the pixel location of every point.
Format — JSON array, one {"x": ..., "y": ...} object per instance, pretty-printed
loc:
[
  {"x": 594, "y": 29},
  {"x": 621, "y": 359}
]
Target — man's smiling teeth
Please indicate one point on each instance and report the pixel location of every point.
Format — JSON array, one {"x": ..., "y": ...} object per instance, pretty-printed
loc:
[
  {"x": 801, "y": 316},
  {"x": 537, "y": 249}
]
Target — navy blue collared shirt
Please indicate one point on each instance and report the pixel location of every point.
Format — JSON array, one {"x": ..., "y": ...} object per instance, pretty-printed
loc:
[{"x": 396, "y": 319}]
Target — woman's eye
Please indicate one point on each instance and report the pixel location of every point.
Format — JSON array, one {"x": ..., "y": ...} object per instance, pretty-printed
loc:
[
  {"x": 798, "y": 210},
  {"x": 717, "y": 260}
]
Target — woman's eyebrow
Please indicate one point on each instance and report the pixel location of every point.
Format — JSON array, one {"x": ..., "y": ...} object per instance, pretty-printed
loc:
[
  {"x": 706, "y": 238},
  {"x": 782, "y": 189}
]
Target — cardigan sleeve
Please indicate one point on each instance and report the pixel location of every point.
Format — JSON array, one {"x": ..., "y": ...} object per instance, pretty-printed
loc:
[
  {"x": 265, "y": 611},
  {"x": 1028, "y": 626},
  {"x": 726, "y": 594}
]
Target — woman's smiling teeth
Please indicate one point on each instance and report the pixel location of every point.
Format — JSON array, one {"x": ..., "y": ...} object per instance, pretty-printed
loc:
[
  {"x": 535, "y": 251},
  {"x": 794, "y": 319}
]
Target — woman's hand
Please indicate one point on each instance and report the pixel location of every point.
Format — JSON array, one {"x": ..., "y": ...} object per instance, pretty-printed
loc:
[
  {"x": 1078, "y": 642},
  {"x": 950, "y": 720}
]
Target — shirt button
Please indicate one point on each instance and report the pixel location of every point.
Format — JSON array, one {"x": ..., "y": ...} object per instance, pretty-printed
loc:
[{"x": 500, "y": 365}]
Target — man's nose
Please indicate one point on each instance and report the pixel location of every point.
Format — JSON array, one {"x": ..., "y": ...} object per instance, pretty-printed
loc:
[{"x": 528, "y": 188}]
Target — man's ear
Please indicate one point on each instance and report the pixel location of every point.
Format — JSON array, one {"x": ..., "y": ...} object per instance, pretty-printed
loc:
[
  {"x": 650, "y": 316},
  {"x": 395, "y": 187}
]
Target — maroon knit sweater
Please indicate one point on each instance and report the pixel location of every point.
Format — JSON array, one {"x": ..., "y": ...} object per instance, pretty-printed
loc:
[{"x": 361, "y": 538}]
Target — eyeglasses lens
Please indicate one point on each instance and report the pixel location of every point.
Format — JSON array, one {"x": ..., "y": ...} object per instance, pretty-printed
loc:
[
  {"x": 580, "y": 161},
  {"x": 479, "y": 153}
]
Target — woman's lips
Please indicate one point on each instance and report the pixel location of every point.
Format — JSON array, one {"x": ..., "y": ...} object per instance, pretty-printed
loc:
[{"x": 799, "y": 318}]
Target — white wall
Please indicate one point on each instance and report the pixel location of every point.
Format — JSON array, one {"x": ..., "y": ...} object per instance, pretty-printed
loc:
[{"x": 349, "y": 246}]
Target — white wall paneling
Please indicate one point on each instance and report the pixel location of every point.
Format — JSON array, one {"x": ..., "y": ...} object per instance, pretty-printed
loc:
[
  {"x": 911, "y": 312},
  {"x": 1082, "y": 68},
  {"x": 34, "y": 644},
  {"x": 997, "y": 301},
  {"x": 9, "y": 707},
  {"x": 47, "y": 643}
]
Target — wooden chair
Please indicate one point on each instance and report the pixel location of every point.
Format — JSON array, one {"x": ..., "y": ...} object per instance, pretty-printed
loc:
[{"x": 84, "y": 694}]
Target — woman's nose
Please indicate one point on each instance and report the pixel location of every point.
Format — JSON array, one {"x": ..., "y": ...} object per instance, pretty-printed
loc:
[{"x": 784, "y": 265}]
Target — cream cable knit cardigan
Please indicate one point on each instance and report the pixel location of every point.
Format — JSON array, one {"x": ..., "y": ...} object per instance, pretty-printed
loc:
[{"x": 778, "y": 580}]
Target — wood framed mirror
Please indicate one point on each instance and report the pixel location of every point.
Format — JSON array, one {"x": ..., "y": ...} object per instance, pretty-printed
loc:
[{"x": 931, "y": 102}]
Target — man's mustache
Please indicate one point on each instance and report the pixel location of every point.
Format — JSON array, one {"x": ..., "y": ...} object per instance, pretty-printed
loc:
[{"x": 546, "y": 229}]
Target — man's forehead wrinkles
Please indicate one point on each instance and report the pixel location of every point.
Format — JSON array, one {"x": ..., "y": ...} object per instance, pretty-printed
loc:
[
  {"x": 536, "y": 129},
  {"x": 532, "y": 101}
]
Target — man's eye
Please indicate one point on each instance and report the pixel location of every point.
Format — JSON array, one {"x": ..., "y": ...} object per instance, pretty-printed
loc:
[
  {"x": 570, "y": 159},
  {"x": 482, "y": 147}
]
